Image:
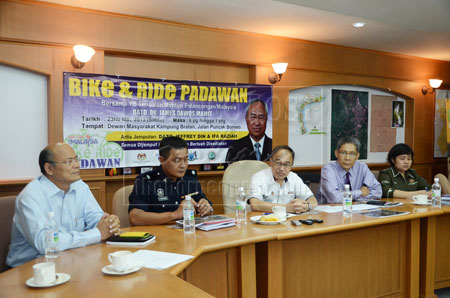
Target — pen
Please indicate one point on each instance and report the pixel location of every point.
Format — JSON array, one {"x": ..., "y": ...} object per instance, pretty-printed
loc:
[{"x": 190, "y": 194}]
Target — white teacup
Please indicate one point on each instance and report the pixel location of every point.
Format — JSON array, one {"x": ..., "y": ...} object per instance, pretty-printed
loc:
[
  {"x": 280, "y": 212},
  {"x": 44, "y": 273},
  {"x": 420, "y": 199},
  {"x": 121, "y": 260}
]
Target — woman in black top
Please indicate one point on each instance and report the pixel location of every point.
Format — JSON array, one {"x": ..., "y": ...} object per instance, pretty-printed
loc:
[{"x": 400, "y": 181}]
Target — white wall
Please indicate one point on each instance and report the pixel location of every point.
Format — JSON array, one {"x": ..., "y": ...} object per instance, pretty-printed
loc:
[{"x": 23, "y": 122}]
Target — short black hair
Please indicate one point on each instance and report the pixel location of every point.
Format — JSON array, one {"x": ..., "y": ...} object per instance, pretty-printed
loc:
[
  {"x": 169, "y": 143},
  {"x": 283, "y": 147},
  {"x": 348, "y": 140},
  {"x": 46, "y": 156},
  {"x": 397, "y": 150}
]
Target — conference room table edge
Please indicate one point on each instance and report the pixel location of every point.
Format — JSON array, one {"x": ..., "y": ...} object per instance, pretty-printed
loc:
[{"x": 426, "y": 220}]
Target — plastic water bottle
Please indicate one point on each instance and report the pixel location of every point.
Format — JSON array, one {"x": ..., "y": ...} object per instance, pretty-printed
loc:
[
  {"x": 188, "y": 216},
  {"x": 51, "y": 237},
  {"x": 241, "y": 207},
  {"x": 436, "y": 193},
  {"x": 347, "y": 201}
]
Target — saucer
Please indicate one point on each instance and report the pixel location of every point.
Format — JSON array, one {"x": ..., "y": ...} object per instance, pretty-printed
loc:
[
  {"x": 108, "y": 269},
  {"x": 426, "y": 204},
  {"x": 60, "y": 279},
  {"x": 256, "y": 219}
]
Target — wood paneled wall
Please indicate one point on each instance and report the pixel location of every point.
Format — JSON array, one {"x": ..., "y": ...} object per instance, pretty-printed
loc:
[{"x": 39, "y": 36}]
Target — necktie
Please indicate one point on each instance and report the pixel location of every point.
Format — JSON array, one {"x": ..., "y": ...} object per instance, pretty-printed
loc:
[
  {"x": 347, "y": 180},
  {"x": 257, "y": 152}
]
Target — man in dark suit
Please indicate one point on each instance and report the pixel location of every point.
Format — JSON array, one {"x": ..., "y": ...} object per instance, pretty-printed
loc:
[{"x": 256, "y": 145}]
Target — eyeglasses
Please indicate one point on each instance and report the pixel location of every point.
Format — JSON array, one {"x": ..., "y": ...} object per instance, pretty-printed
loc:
[
  {"x": 279, "y": 164},
  {"x": 69, "y": 162},
  {"x": 345, "y": 153},
  {"x": 254, "y": 117}
]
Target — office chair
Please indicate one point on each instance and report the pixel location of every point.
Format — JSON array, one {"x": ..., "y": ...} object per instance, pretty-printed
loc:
[
  {"x": 238, "y": 174},
  {"x": 121, "y": 203},
  {"x": 7, "y": 209}
]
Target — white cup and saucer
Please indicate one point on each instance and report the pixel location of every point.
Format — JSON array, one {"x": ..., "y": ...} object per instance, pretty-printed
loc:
[
  {"x": 279, "y": 212},
  {"x": 44, "y": 275},
  {"x": 121, "y": 263},
  {"x": 420, "y": 200}
]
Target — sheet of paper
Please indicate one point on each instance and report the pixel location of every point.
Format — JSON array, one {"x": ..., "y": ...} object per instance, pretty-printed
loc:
[
  {"x": 158, "y": 259},
  {"x": 355, "y": 207},
  {"x": 328, "y": 209},
  {"x": 216, "y": 226}
]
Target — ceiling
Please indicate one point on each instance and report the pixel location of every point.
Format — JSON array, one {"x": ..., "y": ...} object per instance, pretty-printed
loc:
[{"x": 413, "y": 27}]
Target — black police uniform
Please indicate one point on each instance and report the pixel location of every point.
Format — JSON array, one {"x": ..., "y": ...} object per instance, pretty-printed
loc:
[{"x": 155, "y": 192}]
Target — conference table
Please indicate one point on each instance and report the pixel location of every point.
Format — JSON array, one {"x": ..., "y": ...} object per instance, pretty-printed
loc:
[{"x": 359, "y": 256}]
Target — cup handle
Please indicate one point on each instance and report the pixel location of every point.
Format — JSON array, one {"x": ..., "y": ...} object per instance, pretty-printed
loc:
[
  {"x": 109, "y": 258},
  {"x": 414, "y": 199}
]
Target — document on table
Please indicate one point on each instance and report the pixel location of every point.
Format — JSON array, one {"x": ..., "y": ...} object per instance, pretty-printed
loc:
[
  {"x": 362, "y": 207},
  {"x": 445, "y": 197},
  {"x": 328, "y": 209},
  {"x": 355, "y": 207},
  {"x": 158, "y": 259}
]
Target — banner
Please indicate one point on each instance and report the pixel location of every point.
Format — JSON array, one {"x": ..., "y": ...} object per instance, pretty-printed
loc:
[{"x": 114, "y": 121}]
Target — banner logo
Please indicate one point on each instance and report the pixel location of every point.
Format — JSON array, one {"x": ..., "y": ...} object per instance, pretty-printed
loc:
[
  {"x": 211, "y": 155},
  {"x": 141, "y": 156}
]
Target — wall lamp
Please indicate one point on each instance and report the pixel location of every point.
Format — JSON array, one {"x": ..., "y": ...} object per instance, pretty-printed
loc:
[
  {"x": 82, "y": 55},
  {"x": 434, "y": 83},
  {"x": 278, "y": 70}
]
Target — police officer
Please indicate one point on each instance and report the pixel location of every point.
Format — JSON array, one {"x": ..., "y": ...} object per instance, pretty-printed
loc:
[{"x": 157, "y": 196}]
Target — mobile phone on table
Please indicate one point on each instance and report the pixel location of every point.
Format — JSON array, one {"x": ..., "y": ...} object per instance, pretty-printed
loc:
[{"x": 296, "y": 223}]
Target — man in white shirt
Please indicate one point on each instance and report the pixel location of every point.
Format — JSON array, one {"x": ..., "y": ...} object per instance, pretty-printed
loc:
[
  {"x": 60, "y": 190},
  {"x": 278, "y": 186}
]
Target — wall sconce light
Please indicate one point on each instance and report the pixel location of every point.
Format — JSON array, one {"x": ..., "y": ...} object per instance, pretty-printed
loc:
[
  {"x": 278, "y": 70},
  {"x": 434, "y": 83},
  {"x": 82, "y": 55}
]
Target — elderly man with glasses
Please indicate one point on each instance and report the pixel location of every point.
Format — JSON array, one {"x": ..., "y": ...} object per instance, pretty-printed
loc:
[
  {"x": 256, "y": 145},
  {"x": 59, "y": 190},
  {"x": 347, "y": 170},
  {"x": 278, "y": 186}
]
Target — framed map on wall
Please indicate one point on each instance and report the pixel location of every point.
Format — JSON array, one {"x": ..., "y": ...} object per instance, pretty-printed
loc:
[
  {"x": 320, "y": 115},
  {"x": 349, "y": 117}
]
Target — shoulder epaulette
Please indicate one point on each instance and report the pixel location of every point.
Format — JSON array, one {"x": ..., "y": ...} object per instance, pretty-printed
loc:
[
  {"x": 149, "y": 175},
  {"x": 191, "y": 173}
]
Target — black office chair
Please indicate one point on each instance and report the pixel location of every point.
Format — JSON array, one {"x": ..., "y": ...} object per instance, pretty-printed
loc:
[
  {"x": 312, "y": 180},
  {"x": 7, "y": 209}
]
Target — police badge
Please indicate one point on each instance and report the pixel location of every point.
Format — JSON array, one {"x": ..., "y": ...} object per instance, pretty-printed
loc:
[{"x": 160, "y": 194}]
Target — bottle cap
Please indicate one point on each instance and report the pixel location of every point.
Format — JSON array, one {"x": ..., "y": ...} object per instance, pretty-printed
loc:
[
  {"x": 436, "y": 179},
  {"x": 347, "y": 187},
  {"x": 187, "y": 197},
  {"x": 51, "y": 214},
  {"x": 241, "y": 188}
]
